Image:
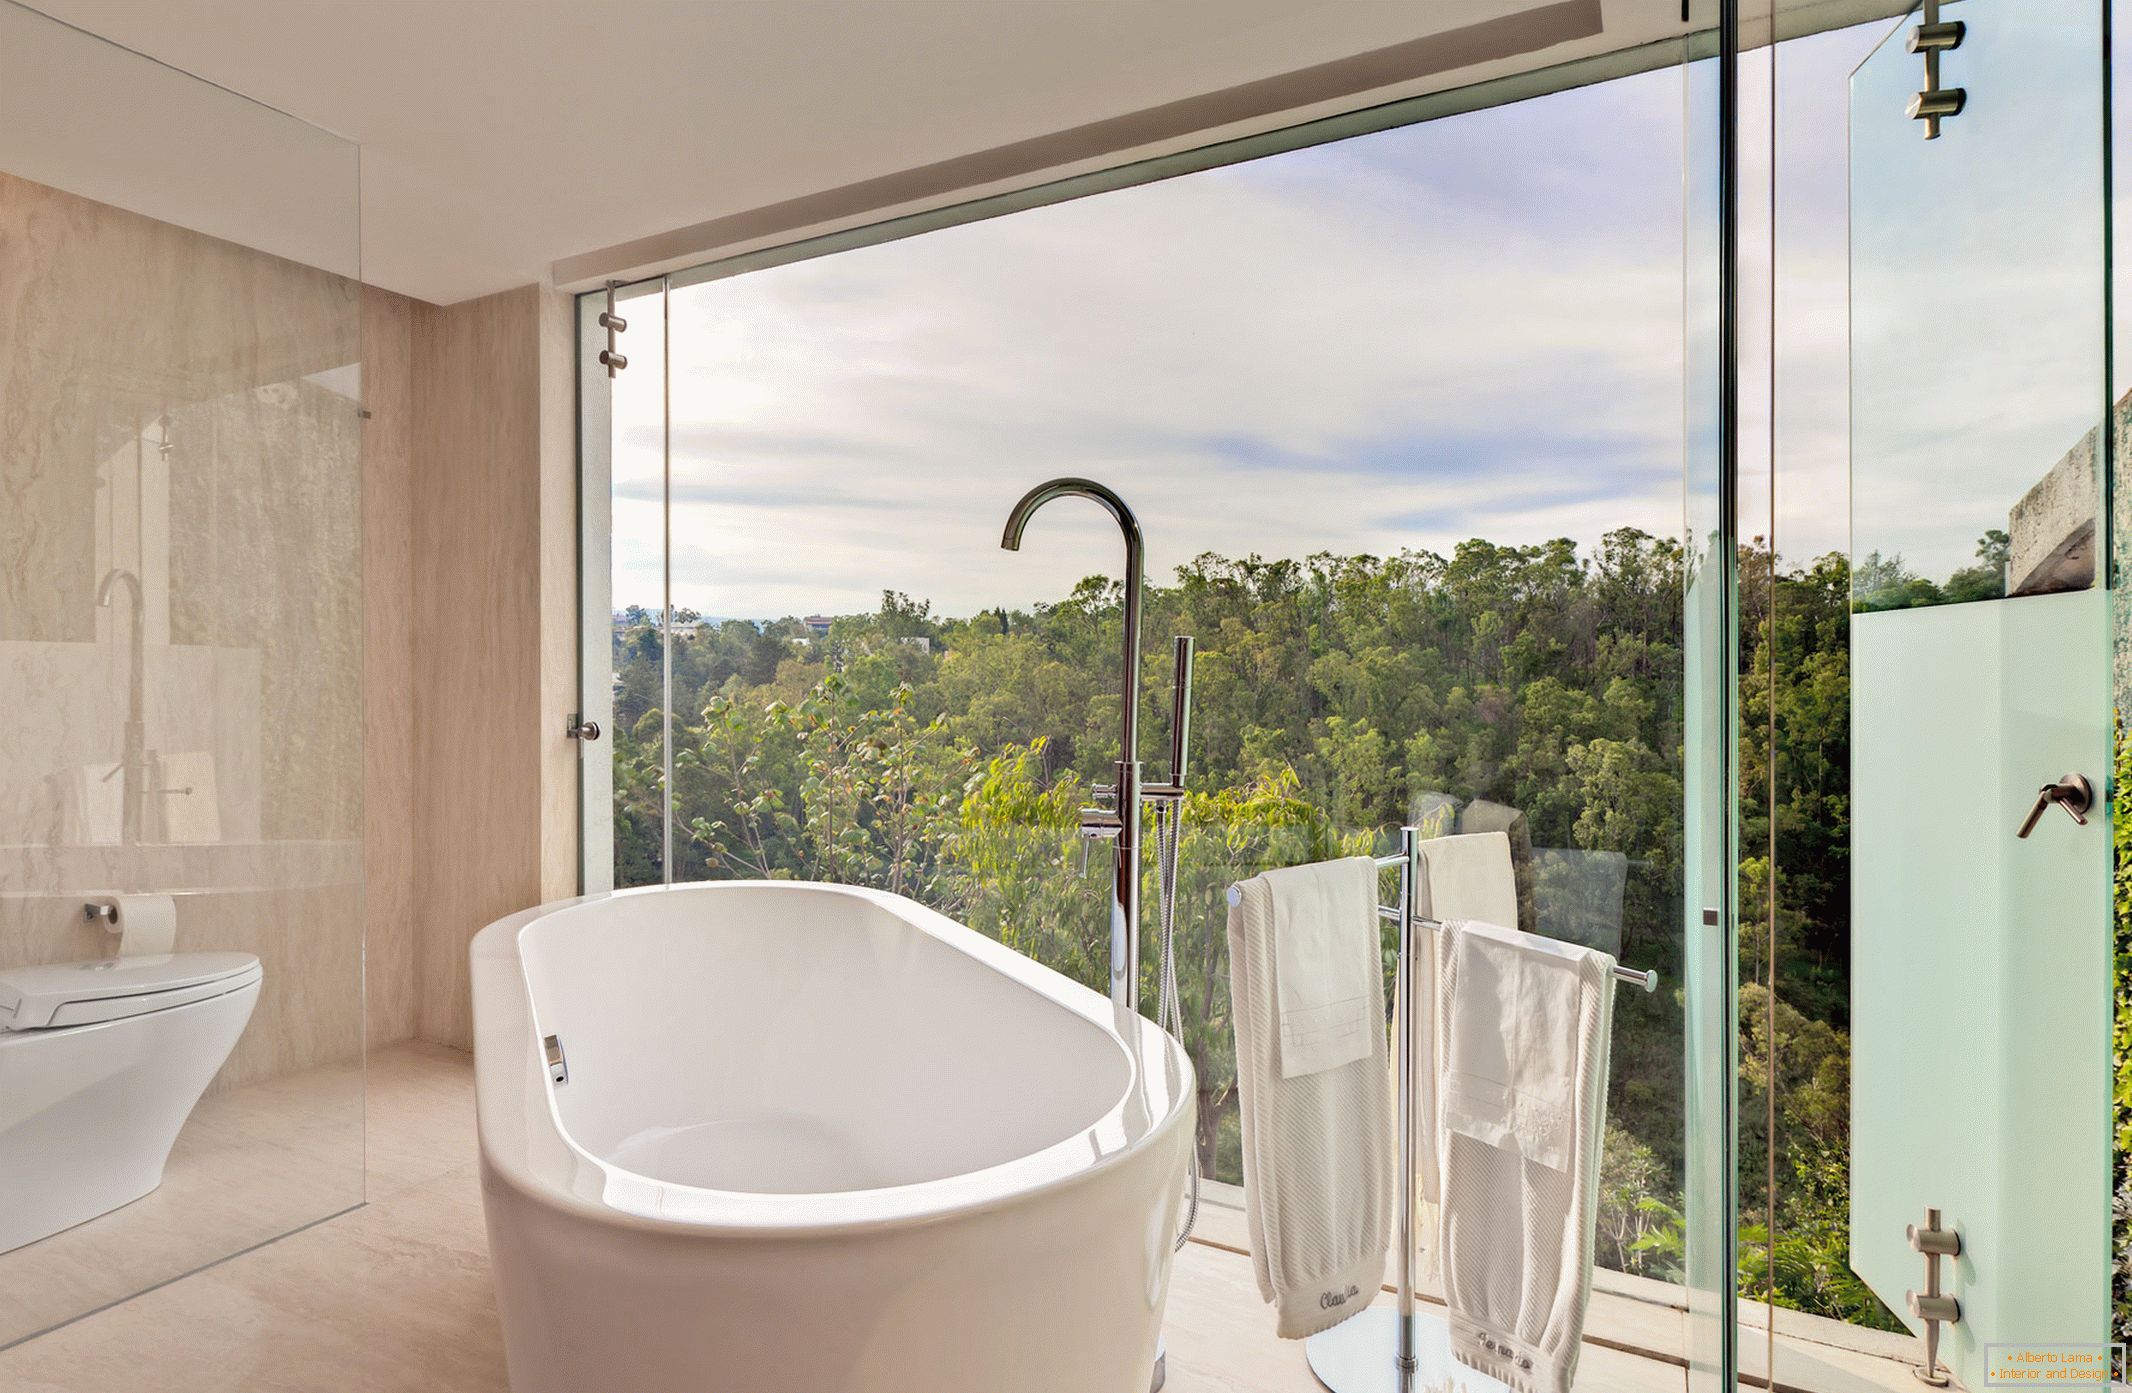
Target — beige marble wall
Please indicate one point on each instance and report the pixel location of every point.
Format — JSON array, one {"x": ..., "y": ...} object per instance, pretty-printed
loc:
[
  {"x": 372, "y": 658},
  {"x": 494, "y": 528},
  {"x": 388, "y": 664},
  {"x": 184, "y": 411},
  {"x": 559, "y": 621}
]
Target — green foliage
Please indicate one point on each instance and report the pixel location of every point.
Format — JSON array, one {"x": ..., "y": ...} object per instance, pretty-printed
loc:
[
  {"x": 1808, "y": 1266},
  {"x": 1794, "y": 815},
  {"x": 1884, "y": 582},
  {"x": 1337, "y": 697},
  {"x": 1635, "y": 1232},
  {"x": 2121, "y": 900}
]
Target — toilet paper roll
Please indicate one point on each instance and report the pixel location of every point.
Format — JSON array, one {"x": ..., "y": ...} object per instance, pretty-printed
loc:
[{"x": 147, "y": 924}]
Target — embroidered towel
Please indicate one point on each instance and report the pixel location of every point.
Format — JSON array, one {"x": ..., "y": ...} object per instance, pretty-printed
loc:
[
  {"x": 1522, "y": 1032},
  {"x": 1318, "y": 1153}
]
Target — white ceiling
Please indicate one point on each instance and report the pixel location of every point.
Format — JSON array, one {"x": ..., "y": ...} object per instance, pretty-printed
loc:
[{"x": 501, "y": 136}]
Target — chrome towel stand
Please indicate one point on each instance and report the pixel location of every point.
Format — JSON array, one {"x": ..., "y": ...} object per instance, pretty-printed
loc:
[{"x": 1359, "y": 1355}]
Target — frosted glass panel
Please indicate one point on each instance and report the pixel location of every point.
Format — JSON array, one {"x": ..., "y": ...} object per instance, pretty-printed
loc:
[
  {"x": 1980, "y": 965},
  {"x": 1980, "y": 958}
]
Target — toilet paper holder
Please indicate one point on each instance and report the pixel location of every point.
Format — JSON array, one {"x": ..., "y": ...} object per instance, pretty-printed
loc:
[{"x": 146, "y": 924}]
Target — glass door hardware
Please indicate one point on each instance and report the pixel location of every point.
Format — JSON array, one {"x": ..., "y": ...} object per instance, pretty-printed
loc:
[
  {"x": 2072, "y": 792},
  {"x": 614, "y": 324},
  {"x": 1932, "y": 1306},
  {"x": 1932, "y": 38}
]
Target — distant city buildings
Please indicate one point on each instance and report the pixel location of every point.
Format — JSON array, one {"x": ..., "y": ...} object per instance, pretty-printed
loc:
[{"x": 809, "y": 630}]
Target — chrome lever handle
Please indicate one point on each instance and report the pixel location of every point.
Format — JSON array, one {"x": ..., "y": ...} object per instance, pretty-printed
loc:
[
  {"x": 2071, "y": 792},
  {"x": 1101, "y": 823}
]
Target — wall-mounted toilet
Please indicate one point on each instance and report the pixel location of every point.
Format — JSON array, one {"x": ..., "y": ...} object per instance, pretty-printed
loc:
[{"x": 100, "y": 1065}]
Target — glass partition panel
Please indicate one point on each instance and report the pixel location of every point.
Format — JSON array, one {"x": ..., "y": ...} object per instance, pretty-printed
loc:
[
  {"x": 1987, "y": 245},
  {"x": 1938, "y": 351},
  {"x": 1796, "y": 1019},
  {"x": 181, "y": 664},
  {"x": 1959, "y": 293},
  {"x": 1704, "y": 1261},
  {"x": 624, "y": 559}
]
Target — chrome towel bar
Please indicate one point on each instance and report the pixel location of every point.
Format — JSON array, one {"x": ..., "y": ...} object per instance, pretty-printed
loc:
[{"x": 1647, "y": 979}]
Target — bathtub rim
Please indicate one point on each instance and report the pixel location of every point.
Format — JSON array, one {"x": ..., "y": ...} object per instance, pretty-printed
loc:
[{"x": 523, "y": 1143}]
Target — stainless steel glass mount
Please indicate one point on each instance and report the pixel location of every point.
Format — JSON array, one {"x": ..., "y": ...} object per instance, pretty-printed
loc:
[{"x": 1932, "y": 38}]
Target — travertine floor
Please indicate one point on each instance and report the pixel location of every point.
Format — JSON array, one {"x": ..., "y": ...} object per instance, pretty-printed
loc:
[
  {"x": 252, "y": 1163},
  {"x": 395, "y": 1297}
]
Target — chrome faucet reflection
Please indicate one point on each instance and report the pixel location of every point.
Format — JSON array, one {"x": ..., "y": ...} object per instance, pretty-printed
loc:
[
  {"x": 132, "y": 768},
  {"x": 137, "y": 768}
]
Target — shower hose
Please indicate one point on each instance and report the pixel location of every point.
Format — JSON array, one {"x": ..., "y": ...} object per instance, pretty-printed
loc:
[{"x": 1169, "y": 1006}]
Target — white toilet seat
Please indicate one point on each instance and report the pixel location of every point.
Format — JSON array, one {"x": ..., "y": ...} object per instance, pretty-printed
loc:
[{"x": 57, "y": 995}]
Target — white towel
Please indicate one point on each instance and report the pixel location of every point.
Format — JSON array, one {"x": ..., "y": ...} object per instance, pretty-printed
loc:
[
  {"x": 1328, "y": 981},
  {"x": 1318, "y": 1170},
  {"x": 1470, "y": 876},
  {"x": 1523, "y": 1028}
]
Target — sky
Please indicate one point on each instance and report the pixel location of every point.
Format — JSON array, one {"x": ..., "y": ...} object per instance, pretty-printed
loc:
[
  {"x": 1472, "y": 327},
  {"x": 1469, "y": 328},
  {"x": 1950, "y": 288}
]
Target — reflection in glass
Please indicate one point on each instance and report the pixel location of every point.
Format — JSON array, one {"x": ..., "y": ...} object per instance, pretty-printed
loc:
[
  {"x": 1974, "y": 431},
  {"x": 181, "y": 663}
]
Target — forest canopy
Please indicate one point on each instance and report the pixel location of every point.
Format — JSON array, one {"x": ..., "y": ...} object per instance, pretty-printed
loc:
[{"x": 1336, "y": 698}]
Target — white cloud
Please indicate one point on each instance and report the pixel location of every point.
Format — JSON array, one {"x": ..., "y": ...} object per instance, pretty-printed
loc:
[{"x": 1441, "y": 332}]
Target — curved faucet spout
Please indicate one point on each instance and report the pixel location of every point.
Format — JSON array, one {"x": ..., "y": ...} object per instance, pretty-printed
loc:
[
  {"x": 1037, "y": 497},
  {"x": 111, "y": 581},
  {"x": 1121, "y": 823},
  {"x": 1135, "y": 579}
]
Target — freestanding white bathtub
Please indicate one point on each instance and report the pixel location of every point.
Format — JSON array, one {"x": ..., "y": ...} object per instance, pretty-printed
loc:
[{"x": 816, "y": 1139}]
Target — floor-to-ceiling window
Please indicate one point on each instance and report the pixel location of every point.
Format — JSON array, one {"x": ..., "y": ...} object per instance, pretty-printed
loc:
[
  {"x": 1405, "y": 416},
  {"x": 1427, "y": 431}
]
